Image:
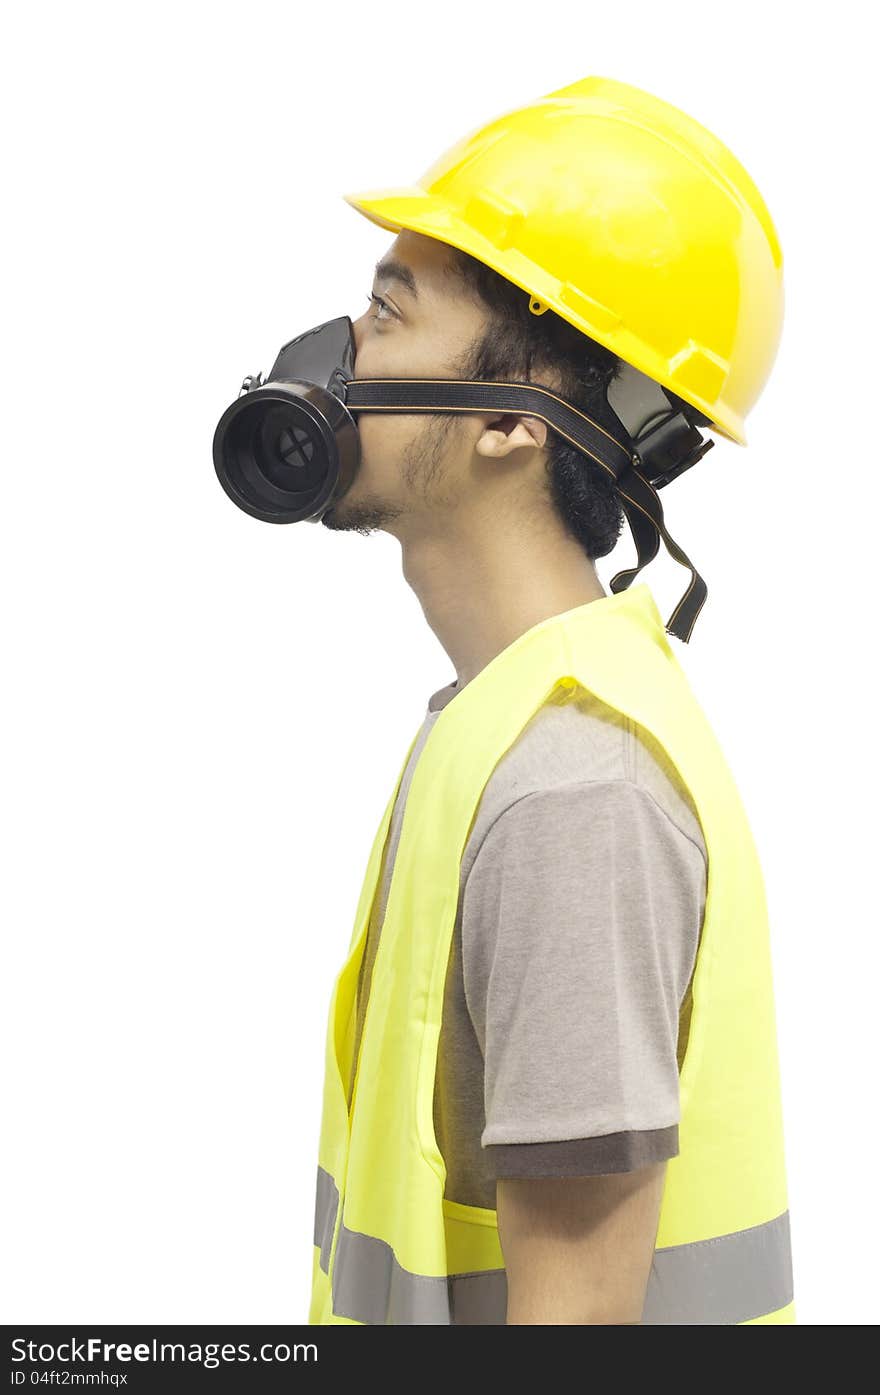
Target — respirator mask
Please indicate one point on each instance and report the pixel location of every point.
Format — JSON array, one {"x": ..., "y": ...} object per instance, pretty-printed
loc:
[{"x": 287, "y": 448}]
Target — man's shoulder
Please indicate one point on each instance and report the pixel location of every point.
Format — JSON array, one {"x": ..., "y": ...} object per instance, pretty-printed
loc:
[{"x": 575, "y": 740}]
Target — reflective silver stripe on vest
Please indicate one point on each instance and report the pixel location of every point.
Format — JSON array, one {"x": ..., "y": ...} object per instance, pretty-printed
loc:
[
  {"x": 725, "y": 1280},
  {"x": 326, "y": 1203},
  {"x": 730, "y": 1278}
]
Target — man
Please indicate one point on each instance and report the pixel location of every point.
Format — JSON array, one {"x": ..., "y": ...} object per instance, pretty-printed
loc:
[
  {"x": 551, "y": 1090},
  {"x": 606, "y": 958}
]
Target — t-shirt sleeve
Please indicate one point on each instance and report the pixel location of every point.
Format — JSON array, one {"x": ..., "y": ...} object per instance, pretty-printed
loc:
[{"x": 581, "y": 915}]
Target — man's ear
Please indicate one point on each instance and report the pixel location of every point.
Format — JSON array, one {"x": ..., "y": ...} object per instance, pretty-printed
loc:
[{"x": 509, "y": 433}]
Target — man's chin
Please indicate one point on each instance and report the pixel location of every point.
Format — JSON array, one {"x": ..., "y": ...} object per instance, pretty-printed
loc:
[{"x": 365, "y": 518}]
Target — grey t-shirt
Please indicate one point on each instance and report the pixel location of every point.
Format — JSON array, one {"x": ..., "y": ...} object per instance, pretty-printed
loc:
[{"x": 568, "y": 989}]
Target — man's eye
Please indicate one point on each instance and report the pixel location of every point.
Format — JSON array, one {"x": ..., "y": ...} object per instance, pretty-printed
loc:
[{"x": 382, "y": 305}]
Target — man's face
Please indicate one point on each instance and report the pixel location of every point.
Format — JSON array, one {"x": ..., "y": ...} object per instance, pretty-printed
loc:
[{"x": 413, "y": 466}]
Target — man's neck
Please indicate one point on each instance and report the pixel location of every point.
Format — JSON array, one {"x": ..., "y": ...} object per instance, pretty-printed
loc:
[{"x": 478, "y": 596}]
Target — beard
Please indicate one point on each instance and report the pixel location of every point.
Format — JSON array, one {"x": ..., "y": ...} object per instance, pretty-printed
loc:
[
  {"x": 365, "y": 518},
  {"x": 421, "y": 472}
]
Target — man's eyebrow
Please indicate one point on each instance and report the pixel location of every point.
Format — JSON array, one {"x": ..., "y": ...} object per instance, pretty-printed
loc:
[{"x": 389, "y": 269}]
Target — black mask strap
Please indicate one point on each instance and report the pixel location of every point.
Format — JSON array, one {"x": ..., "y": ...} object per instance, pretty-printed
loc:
[{"x": 639, "y": 499}]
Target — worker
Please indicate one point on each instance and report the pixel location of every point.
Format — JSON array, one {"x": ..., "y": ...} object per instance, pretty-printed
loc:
[{"x": 551, "y": 1090}]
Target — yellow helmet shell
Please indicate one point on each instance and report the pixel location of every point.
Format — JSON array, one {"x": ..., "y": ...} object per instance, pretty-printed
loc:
[{"x": 627, "y": 218}]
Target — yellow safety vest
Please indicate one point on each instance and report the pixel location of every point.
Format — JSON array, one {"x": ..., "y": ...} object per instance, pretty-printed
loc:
[{"x": 389, "y": 1248}]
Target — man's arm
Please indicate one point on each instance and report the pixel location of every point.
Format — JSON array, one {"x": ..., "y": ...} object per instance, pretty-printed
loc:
[
  {"x": 579, "y": 1249},
  {"x": 580, "y": 927}
]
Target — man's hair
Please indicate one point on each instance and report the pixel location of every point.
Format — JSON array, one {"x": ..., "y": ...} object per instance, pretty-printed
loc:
[{"x": 515, "y": 343}]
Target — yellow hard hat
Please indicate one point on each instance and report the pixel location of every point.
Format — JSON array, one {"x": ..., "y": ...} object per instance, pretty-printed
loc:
[{"x": 628, "y": 219}]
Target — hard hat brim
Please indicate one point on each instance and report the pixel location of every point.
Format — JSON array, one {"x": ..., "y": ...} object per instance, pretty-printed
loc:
[{"x": 414, "y": 209}]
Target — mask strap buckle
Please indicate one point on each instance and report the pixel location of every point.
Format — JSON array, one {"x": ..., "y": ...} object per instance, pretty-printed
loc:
[{"x": 253, "y": 380}]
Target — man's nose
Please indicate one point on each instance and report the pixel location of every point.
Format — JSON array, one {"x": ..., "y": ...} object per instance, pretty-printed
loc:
[{"x": 357, "y": 330}]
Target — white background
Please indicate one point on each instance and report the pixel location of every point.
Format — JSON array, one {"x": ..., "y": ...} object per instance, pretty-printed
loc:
[{"x": 204, "y": 714}]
